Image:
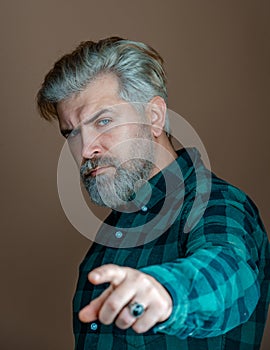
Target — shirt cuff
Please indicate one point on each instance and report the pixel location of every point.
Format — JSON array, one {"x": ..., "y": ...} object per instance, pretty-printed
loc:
[{"x": 177, "y": 319}]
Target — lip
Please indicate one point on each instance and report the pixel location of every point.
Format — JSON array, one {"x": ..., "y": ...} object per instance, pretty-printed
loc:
[{"x": 98, "y": 171}]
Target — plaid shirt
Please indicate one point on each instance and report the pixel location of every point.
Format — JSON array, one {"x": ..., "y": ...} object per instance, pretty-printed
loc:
[{"x": 212, "y": 257}]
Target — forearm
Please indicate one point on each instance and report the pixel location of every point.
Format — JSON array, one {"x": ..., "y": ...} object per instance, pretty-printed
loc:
[{"x": 213, "y": 291}]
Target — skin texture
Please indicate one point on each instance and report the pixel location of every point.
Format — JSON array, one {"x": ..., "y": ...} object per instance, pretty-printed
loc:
[
  {"x": 127, "y": 286},
  {"x": 98, "y": 138},
  {"x": 115, "y": 190}
]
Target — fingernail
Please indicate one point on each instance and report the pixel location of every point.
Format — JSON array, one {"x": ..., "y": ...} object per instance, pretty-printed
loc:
[{"x": 95, "y": 276}]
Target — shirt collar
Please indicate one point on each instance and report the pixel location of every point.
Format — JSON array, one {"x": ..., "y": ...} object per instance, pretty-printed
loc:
[{"x": 169, "y": 179}]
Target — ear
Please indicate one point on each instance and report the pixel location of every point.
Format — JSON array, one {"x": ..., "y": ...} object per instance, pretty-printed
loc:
[{"x": 157, "y": 114}]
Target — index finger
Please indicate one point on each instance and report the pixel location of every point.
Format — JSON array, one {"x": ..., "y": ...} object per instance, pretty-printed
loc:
[{"x": 111, "y": 273}]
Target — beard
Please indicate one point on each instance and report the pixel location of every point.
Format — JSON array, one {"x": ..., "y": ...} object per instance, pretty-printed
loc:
[{"x": 118, "y": 188}]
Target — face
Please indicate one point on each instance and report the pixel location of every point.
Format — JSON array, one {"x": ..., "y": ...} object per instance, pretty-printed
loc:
[{"x": 110, "y": 140}]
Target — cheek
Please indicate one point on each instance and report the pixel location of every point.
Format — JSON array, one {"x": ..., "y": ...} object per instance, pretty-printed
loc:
[
  {"x": 121, "y": 136},
  {"x": 120, "y": 149},
  {"x": 121, "y": 141}
]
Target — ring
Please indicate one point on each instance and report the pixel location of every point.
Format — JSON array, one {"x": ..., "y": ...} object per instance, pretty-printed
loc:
[{"x": 136, "y": 309}]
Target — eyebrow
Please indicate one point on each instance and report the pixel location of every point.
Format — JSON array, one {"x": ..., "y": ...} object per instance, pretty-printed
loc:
[{"x": 66, "y": 132}]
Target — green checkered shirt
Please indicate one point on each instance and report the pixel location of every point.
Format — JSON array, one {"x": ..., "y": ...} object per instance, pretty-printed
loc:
[{"x": 206, "y": 245}]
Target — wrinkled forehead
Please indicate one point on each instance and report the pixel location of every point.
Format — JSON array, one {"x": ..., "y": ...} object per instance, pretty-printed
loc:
[
  {"x": 124, "y": 111},
  {"x": 102, "y": 94},
  {"x": 103, "y": 91}
]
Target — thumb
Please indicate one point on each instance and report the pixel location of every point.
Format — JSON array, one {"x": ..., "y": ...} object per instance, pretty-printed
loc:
[{"x": 90, "y": 312}]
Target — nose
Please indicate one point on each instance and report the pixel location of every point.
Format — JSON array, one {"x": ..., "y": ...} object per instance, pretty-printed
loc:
[{"x": 91, "y": 146}]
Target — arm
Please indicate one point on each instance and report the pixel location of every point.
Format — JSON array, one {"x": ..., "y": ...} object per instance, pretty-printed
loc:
[{"x": 215, "y": 287}]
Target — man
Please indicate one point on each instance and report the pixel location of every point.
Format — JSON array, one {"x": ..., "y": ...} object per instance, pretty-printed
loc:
[{"x": 150, "y": 280}]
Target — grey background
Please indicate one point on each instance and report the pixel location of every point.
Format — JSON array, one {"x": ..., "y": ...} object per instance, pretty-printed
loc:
[{"x": 217, "y": 57}]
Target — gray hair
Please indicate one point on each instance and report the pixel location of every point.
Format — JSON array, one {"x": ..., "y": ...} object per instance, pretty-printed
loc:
[{"x": 137, "y": 66}]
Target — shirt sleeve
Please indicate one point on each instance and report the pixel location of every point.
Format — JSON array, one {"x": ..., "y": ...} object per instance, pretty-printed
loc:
[{"x": 215, "y": 287}]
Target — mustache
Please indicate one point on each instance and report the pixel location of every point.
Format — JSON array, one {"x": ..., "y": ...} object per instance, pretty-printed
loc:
[{"x": 92, "y": 164}]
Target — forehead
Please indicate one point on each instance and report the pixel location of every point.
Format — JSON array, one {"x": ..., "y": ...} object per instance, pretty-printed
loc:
[{"x": 99, "y": 94}]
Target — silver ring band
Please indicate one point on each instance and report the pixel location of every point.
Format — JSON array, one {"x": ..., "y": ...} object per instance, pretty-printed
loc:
[{"x": 136, "y": 310}]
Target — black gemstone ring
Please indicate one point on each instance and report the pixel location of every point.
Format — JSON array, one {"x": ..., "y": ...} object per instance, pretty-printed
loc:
[{"x": 136, "y": 309}]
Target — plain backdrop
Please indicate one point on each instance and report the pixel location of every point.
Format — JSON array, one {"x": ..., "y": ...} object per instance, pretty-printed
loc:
[{"x": 217, "y": 58}]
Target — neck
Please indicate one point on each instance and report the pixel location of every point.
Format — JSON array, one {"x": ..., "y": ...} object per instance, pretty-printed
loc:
[{"x": 164, "y": 153}]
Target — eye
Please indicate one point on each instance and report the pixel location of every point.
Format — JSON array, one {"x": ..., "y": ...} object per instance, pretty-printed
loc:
[
  {"x": 104, "y": 122},
  {"x": 73, "y": 133}
]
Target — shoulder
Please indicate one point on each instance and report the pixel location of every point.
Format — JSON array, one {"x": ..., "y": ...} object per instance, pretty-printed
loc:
[{"x": 226, "y": 193}]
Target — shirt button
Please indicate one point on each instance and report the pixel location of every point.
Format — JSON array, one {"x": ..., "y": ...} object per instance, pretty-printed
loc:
[
  {"x": 118, "y": 234},
  {"x": 144, "y": 208},
  {"x": 93, "y": 326}
]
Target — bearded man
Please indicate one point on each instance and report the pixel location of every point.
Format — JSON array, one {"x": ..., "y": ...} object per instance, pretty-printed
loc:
[{"x": 148, "y": 281}]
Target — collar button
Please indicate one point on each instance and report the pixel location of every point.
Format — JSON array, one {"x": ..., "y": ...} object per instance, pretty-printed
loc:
[
  {"x": 144, "y": 208},
  {"x": 118, "y": 234}
]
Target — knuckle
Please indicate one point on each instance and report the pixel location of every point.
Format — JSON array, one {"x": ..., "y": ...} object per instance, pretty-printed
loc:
[
  {"x": 162, "y": 305},
  {"x": 139, "y": 328},
  {"x": 143, "y": 281},
  {"x": 164, "y": 308},
  {"x": 122, "y": 323},
  {"x": 112, "y": 305},
  {"x": 104, "y": 320}
]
